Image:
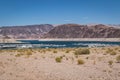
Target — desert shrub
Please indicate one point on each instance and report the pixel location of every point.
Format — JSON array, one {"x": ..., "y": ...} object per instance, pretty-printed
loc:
[
  {"x": 82, "y": 51},
  {"x": 109, "y": 50},
  {"x": 67, "y": 51},
  {"x": 17, "y": 55},
  {"x": 118, "y": 58},
  {"x": 80, "y": 61},
  {"x": 54, "y": 51},
  {"x": 21, "y": 50},
  {"x": 110, "y": 62},
  {"x": 28, "y": 53},
  {"x": 58, "y": 59},
  {"x": 113, "y": 53},
  {"x": 116, "y": 48}
]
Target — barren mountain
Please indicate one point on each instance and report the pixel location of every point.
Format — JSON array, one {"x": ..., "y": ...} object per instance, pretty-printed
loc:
[
  {"x": 83, "y": 31},
  {"x": 25, "y": 32},
  {"x": 60, "y": 31}
]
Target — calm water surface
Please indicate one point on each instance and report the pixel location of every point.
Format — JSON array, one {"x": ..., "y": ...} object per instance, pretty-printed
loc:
[
  {"x": 66, "y": 44},
  {"x": 57, "y": 44}
]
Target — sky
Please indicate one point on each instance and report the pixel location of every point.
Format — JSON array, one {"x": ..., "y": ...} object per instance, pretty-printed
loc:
[{"x": 29, "y": 12}]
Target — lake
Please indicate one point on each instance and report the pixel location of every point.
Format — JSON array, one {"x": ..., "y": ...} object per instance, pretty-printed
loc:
[
  {"x": 56, "y": 44},
  {"x": 69, "y": 44}
]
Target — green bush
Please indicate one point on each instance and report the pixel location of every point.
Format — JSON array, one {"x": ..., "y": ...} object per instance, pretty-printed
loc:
[{"x": 82, "y": 51}]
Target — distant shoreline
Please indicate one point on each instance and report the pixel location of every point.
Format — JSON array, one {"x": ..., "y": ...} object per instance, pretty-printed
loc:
[
  {"x": 62, "y": 39},
  {"x": 82, "y": 39}
]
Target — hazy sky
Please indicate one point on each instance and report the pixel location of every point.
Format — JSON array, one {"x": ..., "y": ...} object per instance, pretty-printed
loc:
[{"x": 24, "y": 12}]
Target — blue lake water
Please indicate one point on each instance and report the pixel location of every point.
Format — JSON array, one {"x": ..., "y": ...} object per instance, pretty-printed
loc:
[
  {"x": 56, "y": 44},
  {"x": 71, "y": 44}
]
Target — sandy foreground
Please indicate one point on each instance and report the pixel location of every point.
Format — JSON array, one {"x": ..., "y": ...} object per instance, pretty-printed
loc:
[{"x": 41, "y": 64}]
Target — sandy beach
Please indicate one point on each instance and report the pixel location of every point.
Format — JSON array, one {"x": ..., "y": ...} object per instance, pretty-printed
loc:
[
  {"x": 60, "y": 64},
  {"x": 62, "y": 39},
  {"x": 81, "y": 39}
]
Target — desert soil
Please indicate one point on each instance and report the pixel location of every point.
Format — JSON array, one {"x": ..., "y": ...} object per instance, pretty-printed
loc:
[{"x": 41, "y": 64}]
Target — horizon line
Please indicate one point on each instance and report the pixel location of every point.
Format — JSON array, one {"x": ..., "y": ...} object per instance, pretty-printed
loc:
[{"x": 58, "y": 24}]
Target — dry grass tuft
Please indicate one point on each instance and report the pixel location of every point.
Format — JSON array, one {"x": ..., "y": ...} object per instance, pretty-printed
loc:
[
  {"x": 118, "y": 58},
  {"x": 82, "y": 51},
  {"x": 58, "y": 59},
  {"x": 80, "y": 61}
]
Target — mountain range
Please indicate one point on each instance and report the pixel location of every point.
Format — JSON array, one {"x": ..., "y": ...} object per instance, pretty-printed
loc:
[
  {"x": 25, "y": 32},
  {"x": 60, "y": 31}
]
